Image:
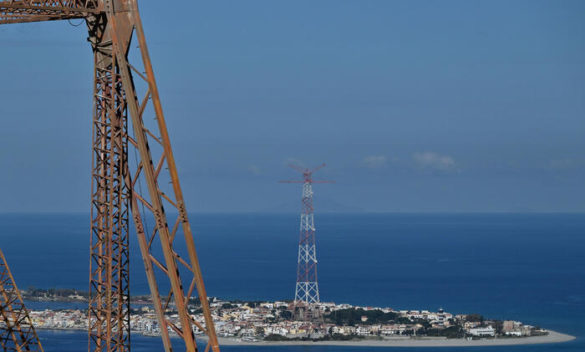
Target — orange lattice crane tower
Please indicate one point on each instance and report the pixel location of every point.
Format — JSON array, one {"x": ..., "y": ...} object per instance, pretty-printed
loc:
[
  {"x": 17, "y": 333},
  {"x": 131, "y": 147}
]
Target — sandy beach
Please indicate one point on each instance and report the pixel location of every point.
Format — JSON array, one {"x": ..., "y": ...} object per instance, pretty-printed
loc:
[{"x": 552, "y": 337}]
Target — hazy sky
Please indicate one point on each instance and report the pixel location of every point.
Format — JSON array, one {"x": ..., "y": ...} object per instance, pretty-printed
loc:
[{"x": 414, "y": 105}]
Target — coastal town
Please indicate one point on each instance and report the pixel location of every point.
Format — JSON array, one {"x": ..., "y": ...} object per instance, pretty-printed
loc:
[{"x": 285, "y": 321}]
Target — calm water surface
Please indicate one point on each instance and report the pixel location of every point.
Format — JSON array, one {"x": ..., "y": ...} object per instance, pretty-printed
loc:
[{"x": 525, "y": 267}]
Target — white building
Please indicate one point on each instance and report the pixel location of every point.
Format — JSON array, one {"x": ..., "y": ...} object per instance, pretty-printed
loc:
[{"x": 482, "y": 331}]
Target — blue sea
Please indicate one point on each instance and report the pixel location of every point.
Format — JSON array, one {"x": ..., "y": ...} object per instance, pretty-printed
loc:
[{"x": 527, "y": 267}]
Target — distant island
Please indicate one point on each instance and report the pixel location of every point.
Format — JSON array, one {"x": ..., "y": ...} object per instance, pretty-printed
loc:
[{"x": 260, "y": 322}]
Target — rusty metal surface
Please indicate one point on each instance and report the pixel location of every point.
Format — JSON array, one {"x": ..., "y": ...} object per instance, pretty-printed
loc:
[
  {"x": 22, "y": 11},
  {"x": 109, "y": 299},
  {"x": 16, "y": 329},
  {"x": 122, "y": 88}
]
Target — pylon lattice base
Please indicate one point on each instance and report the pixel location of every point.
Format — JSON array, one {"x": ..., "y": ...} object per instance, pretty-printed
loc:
[{"x": 16, "y": 328}]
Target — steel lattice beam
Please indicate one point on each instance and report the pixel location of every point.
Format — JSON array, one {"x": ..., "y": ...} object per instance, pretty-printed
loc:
[
  {"x": 307, "y": 285},
  {"x": 22, "y": 11},
  {"x": 119, "y": 130},
  {"x": 17, "y": 333},
  {"x": 109, "y": 305}
]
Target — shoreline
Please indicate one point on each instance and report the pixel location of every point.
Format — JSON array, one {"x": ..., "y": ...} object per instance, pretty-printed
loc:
[
  {"x": 552, "y": 337},
  {"x": 396, "y": 333}
]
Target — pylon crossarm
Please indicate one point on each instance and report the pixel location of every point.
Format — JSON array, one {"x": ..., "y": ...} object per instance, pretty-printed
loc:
[{"x": 23, "y": 11}]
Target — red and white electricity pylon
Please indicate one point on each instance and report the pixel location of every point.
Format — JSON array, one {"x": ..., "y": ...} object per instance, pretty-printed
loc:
[{"x": 307, "y": 287}]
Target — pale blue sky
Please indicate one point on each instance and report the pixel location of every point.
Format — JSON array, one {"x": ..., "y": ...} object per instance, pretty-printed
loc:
[{"x": 414, "y": 105}]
